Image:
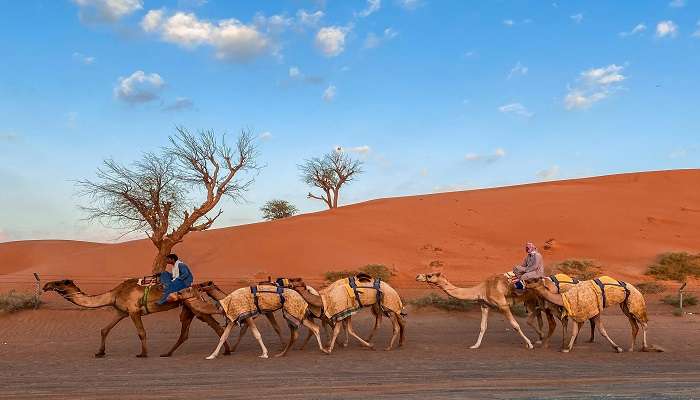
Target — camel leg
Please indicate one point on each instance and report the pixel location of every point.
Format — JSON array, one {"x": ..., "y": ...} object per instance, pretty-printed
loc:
[
  {"x": 645, "y": 346},
  {"x": 347, "y": 333},
  {"x": 509, "y": 316},
  {"x": 293, "y": 335},
  {"x": 186, "y": 317},
  {"x": 334, "y": 336},
  {"x": 484, "y": 325},
  {"x": 602, "y": 331},
  {"x": 105, "y": 331},
  {"x": 138, "y": 323},
  {"x": 222, "y": 340},
  {"x": 574, "y": 334},
  {"x": 592, "y": 322},
  {"x": 256, "y": 333},
  {"x": 402, "y": 327},
  {"x": 271, "y": 317},
  {"x": 537, "y": 327},
  {"x": 308, "y": 336},
  {"x": 635, "y": 331},
  {"x": 564, "y": 331},
  {"x": 211, "y": 321},
  {"x": 551, "y": 327},
  {"x": 313, "y": 328},
  {"x": 396, "y": 327},
  {"x": 244, "y": 329},
  {"x": 377, "y": 319},
  {"x": 349, "y": 330}
]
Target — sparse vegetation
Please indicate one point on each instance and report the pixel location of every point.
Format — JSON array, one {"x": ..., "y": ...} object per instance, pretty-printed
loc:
[
  {"x": 675, "y": 266},
  {"x": 580, "y": 269},
  {"x": 14, "y": 301},
  {"x": 375, "y": 270},
  {"x": 443, "y": 303},
  {"x": 688, "y": 300},
  {"x": 278, "y": 209},
  {"x": 650, "y": 287}
]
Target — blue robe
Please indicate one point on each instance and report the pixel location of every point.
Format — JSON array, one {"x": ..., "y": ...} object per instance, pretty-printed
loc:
[{"x": 170, "y": 285}]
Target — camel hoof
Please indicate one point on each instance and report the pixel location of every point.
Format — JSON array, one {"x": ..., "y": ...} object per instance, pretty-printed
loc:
[
  {"x": 538, "y": 342},
  {"x": 618, "y": 349},
  {"x": 166, "y": 355},
  {"x": 529, "y": 346},
  {"x": 100, "y": 355},
  {"x": 263, "y": 356},
  {"x": 343, "y": 345},
  {"x": 474, "y": 347},
  {"x": 386, "y": 349},
  {"x": 565, "y": 350},
  {"x": 280, "y": 355},
  {"x": 210, "y": 357},
  {"x": 141, "y": 355},
  {"x": 631, "y": 350}
]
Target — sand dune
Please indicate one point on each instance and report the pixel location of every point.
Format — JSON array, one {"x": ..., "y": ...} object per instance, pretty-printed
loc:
[{"x": 622, "y": 221}]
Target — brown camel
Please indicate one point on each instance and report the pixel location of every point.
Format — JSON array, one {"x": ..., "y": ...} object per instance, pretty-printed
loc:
[
  {"x": 368, "y": 300},
  {"x": 497, "y": 292},
  {"x": 582, "y": 303},
  {"x": 560, "y": 283},
  {"x": 126, "y": 299}
]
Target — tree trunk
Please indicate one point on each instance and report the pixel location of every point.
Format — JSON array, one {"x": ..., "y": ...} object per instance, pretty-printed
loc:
[
  {"x": 335, "y": 198},
  {"x": 159, "y": 260}
]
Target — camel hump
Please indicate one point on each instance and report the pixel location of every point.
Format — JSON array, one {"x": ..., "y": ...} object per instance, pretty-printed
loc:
[{"x": 364, "y": 277}]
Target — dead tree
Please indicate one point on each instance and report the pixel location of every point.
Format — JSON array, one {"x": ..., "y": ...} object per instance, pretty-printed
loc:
[
  {"x": 171, "y": 193},
  {"x": 329, "y": 174}
]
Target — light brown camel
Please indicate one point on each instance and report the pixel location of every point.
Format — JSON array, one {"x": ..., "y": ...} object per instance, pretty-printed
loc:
[
  {"x": 126, "y": 299},
  {"x": 235, "y": 310},
  {"x": 368, "y": 299},
  {"x": 583, "y": 302},
  {"x": 497, "y": 292},
  {"x": 560, "y": 283}
]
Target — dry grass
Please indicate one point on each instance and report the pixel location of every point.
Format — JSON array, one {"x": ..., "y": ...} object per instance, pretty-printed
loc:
[
  {"x": 15, "y": 301},
  {"x": 688, "y": 300},
  {"x": 580, "y": 269},
  {"x": 443, "y": 303},
  {"x": 650, "y": 287},
  {"x": 675, "y": 266}
]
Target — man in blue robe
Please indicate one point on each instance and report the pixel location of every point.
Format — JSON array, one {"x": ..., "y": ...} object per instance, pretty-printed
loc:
[{"x": 180, "y": 277}]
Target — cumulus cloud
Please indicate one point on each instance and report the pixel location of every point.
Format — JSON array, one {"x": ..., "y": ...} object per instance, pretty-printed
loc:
[
  {"x": 305, "y": 18},
  {"x": 666, "y": 28},
  {"x": 372, "y": 7},
  {"x": 331, "y": 40},
  {"x": 409, "y": 5},
  {"x": 329, "y": 93},
  {"x": 577, "y": 18},
  {"x": 516, "y": 109},
  {"x": 639, "y": 28},
  {"x": 487, "y": 158},
  {"x": 106, "y": 10},
  {"x": 230, "y": 38},
  {"x": 518, "y": 69},
  {"x": 139, "y": 87},
  {"x": 548, "y": 173},
  {"x": 267, "y": 135},
  {"x": 372, "y": 41},
  {"x": 179, "y": 104},
  {"x": 594, "y": 85},
  {"x": 83, "y": 59},
  {"x": 677, "y": 3}
]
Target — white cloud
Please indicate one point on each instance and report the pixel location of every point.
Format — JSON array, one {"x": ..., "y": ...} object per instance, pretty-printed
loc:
[
  {"x": 409, "y": 5},
  {"x": 274, "y": 24},
  {"x": 508, "y": 22},
  {"x": 231, "y": 39},
  {"x": 373, "y": 41},
  {"x": 372, "y": 7},
  {"x": 697, "y": 32},
  {"x": 677, "y": 3},
  {"x": 679, "y": 153},
  {"x": 358, "y": 149},
  {"x": 294, "y": 72},
  {"x": 578, "y": 18},
  {"x": 139, "y": 87},
  {"x": 82, "y": 58},
  {"x": 180, "y": 104},
  {"x": 305, "y": 18},
  {"x": 594, "y": 85},
  {"x": 329, "y": 93},
  {"x": 639, "y": 28},
  {"x": 106, "y": 10},
  {"x": 267, "y": 135},
  {"x": 516, "y": 109},
  {"x": 487, "y": 158},
  {"x": 666, "y": 29},
  {"x": 518, "y": 69},
  {"x": 549, "y": 173},
  {"x": 331, "y": 40}
]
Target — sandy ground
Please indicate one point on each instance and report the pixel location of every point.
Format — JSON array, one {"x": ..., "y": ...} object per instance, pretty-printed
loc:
[{"x": 49, "y": 353}]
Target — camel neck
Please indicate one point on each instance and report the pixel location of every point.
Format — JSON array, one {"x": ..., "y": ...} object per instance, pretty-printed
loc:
[
  {"x": 549, "y": 296},
  {"x": 312, "y": 299},
  {"x": 471, "y": 293},
  {"x": 77, "y": 297},
  {"x": 216, "y": 293}
]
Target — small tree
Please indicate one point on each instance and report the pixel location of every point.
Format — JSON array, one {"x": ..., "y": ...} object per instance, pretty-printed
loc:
[
  {"x": 155, "y": 193},
  {"x": 329, "y": 174},
  {"x": 278, "y": 209}
]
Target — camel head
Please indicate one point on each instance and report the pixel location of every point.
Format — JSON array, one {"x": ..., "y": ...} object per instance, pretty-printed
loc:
[
  {"x": 433, "y": 277},
  {"x": 59, "y": 286},
  {"x": 536, "y": 284},
  {"x": 297, "y": 284}
]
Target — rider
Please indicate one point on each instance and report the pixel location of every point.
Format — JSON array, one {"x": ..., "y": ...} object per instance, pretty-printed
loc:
[
  {"x": 179, "y": 279},
  {"x": 532, "y": 267}
]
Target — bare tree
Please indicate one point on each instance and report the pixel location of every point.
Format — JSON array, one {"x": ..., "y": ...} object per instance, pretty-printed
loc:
[
  {"x": 329, "y": 174},
  {"x": 278, "y": 209},
  {"x": 155, "y": 194}
]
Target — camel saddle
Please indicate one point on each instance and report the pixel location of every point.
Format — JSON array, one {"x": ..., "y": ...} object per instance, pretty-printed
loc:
[{"x": 148, "y": 281}]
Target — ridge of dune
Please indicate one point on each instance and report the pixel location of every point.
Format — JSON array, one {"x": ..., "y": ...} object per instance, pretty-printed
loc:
[{"x": 622, "y": 221}]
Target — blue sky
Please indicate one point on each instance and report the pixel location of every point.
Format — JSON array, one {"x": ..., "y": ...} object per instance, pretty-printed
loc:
[{"x": 432, "y": 95}]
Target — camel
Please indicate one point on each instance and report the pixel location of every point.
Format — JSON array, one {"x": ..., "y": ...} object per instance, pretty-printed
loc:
[
  {"x": 632, "y": 305},
  {"x": 231, "y": 305},
  {"x": 495, "y": 291},
  {"x": 318, "y": 301},
  {"x": 562, "y": 285},
  {"x": 126, "y": 299}
]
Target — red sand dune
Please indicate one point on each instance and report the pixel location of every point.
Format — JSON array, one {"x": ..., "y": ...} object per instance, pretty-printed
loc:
[{"x": 622, "y": 221}]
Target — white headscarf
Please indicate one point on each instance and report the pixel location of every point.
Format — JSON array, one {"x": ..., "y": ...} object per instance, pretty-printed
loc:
[{"x": 176, "y": 269}]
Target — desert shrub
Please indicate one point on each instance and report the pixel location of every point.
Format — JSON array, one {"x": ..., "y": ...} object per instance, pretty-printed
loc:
[
  {"x": 675, "y": 266},
  {"x": 688, "y": 300},
  {"x": 14, "y": 301},
  {"x": 443, "y": 303},
  {"x": 374, "y": 270},
  {"x": 278, "y": 209},
  {"x": 650, "y": 287},
  {"x": 580, "y": 269}
]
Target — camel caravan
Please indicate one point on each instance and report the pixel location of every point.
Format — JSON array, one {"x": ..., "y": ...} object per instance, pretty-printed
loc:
[{"x": 556, "y": 297}]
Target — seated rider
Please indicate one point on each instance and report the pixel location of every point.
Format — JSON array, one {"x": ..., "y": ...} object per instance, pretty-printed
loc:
[
  {"x": 532, "y": 267},
  {"x": 179, "y": 279}
]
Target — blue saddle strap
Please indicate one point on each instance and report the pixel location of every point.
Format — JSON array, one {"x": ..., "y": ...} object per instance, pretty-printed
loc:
[
  {"x": 556, "y": 282},
  {"x": 377, "y": 286},
  {"x": 280, "y": 293},
  {"x": 254, "y": 291},
  {"x": 353, "y": 285},
  {"x": 602, "y": 291}
]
